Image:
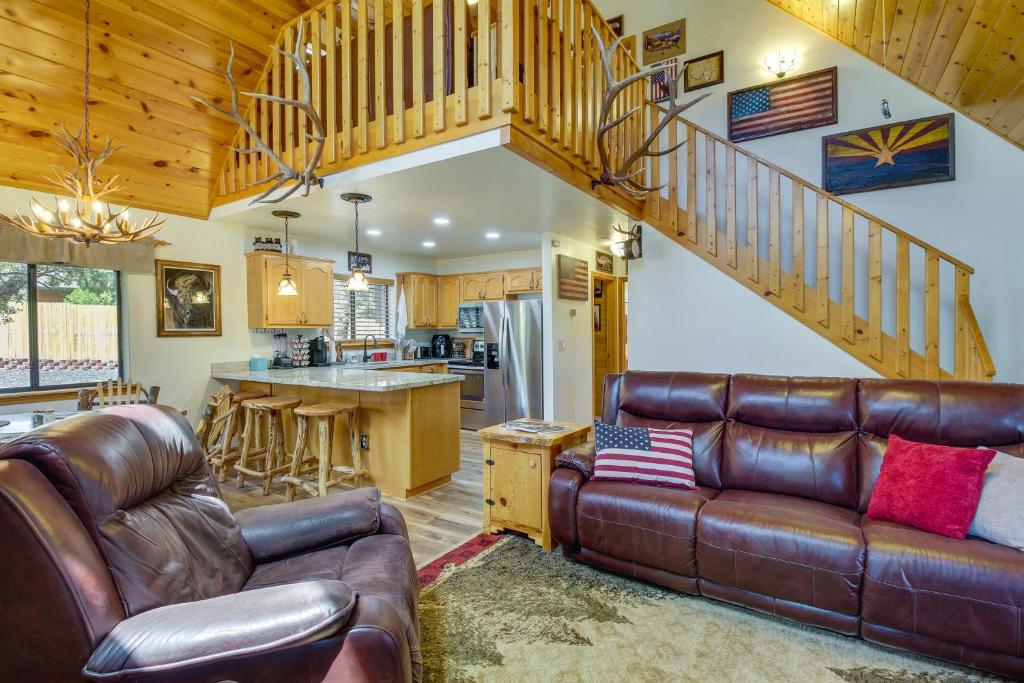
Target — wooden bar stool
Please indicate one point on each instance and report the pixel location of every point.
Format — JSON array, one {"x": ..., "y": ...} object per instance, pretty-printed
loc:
[
  {"x": 264, "y": 461},
  {"x": 323, "y": 415},
  {"x": 225, "y": 451}
]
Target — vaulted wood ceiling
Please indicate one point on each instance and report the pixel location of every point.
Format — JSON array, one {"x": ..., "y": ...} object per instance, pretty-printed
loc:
[
  {"x": 967, "y": 53},
  {"x": 149, "y": 57}
]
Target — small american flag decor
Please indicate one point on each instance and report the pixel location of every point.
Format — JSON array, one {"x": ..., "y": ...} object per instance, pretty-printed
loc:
[
  {"x": 784, "y": 106},
  {"x": 639, "y": 455},
  {"x": 660, "y": 81},
  {"x": 573, "y": 278}
]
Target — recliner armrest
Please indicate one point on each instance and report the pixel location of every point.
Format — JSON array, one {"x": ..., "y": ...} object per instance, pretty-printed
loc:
[
  {"x": 175, "y": 637},
  {"x": 275, "y": 531},
  {"x": 579, "y": 458}
]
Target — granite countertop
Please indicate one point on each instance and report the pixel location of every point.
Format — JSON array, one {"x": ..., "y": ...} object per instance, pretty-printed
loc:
[
  {"x": 353, "y": 377},
  {"x": 385, "y": 364}
]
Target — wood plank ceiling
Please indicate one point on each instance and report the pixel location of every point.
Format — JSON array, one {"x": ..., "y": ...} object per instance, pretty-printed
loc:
[
  {"x": 149, "y": 57},
  {"x": 967, "y": 53}
]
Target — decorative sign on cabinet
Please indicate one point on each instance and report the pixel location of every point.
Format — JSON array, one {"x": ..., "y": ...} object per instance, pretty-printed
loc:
[
  {"x": 433, "y": 300},
  {"x": 313, "y": 307}
]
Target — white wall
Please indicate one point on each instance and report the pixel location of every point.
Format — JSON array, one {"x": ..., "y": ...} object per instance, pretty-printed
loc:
[
  {"x": 976, "y": 218},
  {"x": 568, "y": 371},
  {"x": 503, "y": 261}
]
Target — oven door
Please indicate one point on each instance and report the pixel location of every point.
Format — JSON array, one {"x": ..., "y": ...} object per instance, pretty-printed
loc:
[{"x": 471, "y": 396}]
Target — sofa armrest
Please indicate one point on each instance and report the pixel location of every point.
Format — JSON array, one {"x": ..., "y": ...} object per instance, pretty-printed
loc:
[
  {"x": 579, "y": 458},
  {"x": 247, "y": 624},
  {"x": 563, "y": 492},
  {"x": 275, "y": 531}
]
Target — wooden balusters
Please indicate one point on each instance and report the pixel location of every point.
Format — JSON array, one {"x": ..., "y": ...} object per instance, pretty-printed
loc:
[
  {"x": 347, "y": 80},
  {"x": 931, "y": 315},
  {"x": 380, "y": 73},
  {"x": 483, "y": 59},
  {"x": 568, "y": 84},
  {"x": 654, "y": 198},
  {"x": 555, "y": 69},
  {"x": 774, "y": 233},
  {"x": 363, "y": 71},
  {"x": 711, "y": 198},
  {"x": 460, "y": 39},
  {"x": 542, "y": 66},
  {"x": 579, "y": 47},
  {"x": 730, "y": 207},
  {"x": 821, "y": 279},
  {"x": 797, "y": 268},
  {"x": 331, "y": 45},
  {"x": 691, "y": 180},
  {"x": 529, "y": 49},
  {"x": 903, "y": 306},
  {"x": 962, "y": 287},
  {"x": 439, "y": 79},
  {"x": 849, "y": 278},
  {"x": 288, "y": 72},
  {"x": 509, "y": 56},
  {"x": 419, "y": 103},
  {"x": 875, "y": 290},
  {"x": 277, "y": 83},
  {"x": 398, "y": 71},
  {"x": 753, "y": 221}
]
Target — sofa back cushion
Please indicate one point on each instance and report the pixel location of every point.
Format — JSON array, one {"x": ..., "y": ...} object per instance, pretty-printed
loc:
[
  {"x": 949, "y": 413},
  {"x": 793, "y": 435},
  {"x": 137, "y": 479},
  {"x": 675, "y": 400}
]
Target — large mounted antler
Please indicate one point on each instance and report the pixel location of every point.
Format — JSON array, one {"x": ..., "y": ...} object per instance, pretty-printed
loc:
[
  {"x": 622, "y": 176},
  {"x": 285, "y": 173}
]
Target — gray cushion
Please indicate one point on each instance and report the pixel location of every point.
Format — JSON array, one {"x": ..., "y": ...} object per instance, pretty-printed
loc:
[{"x": 1002, "y": 503}]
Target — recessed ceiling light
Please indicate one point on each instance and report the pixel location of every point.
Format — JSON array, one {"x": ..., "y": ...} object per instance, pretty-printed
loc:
[
  {"x": 373, "y": 232},
  {"x": 492, "y": 235},
  {"x": 442, "y": 220},
  {"x": 429, "y": 245}
]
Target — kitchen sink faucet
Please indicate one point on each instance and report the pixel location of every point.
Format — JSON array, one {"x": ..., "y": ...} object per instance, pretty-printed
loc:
[{"x": 366, "y": 339}]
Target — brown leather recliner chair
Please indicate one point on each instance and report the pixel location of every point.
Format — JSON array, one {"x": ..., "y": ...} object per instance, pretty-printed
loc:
[
  {"x": 121, "y": 562},
  {"x": 785, "y": 468}
]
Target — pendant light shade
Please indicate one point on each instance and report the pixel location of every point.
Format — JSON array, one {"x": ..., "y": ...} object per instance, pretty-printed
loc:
[
  {"x": 287, "y": 286},
  {"x": 357, "y": 280}
]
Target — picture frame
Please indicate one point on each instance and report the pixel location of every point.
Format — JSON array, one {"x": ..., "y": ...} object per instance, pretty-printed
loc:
[
  {"x": 188, "y": 299},
  {"x": 890, "y": 155},
  {"x": 664, "y": 42},
  {"x": 573, "y": 278},
  {"x": 604, "y": 262},
  {"x": 750, "y": 110},
  {"x": 617, "y": 25},
  {"x": 360, "y": 260},
  {"x": 659, "y": 82},
  {"x": 704, "y": 72}
]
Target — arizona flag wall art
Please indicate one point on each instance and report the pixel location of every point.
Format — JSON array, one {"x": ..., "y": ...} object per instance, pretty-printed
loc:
[
  {"x": 784, "y": 106},
  {"x": 892, "y": 155}
]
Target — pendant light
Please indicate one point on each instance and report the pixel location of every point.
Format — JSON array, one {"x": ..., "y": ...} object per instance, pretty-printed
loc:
[
  {"x": 87, "y": 218},
  {"x": 287, "y": 286},
  {"x": 357, "y": 280}
]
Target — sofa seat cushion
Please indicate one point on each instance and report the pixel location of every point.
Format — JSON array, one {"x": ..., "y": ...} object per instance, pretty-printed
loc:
[
  {"x": 647, "y": 525},
  {"x": 968, "y": 592},
  {"x": 788, "y": 548}
]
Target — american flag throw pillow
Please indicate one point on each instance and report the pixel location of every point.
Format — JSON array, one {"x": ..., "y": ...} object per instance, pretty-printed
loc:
[{"x": 656, "y": 457}]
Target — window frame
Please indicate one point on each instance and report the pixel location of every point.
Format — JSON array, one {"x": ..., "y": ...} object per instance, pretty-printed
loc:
[
  {"x": 389, "y": 286},
  {"x": 31, "y": 302}
]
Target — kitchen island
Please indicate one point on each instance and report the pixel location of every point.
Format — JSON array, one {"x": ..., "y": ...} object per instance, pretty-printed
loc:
[{"x": 408, "y": 416}]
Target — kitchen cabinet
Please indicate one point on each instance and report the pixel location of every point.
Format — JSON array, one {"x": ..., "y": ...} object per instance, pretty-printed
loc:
[
  {"x": 483, "y": 286},
  {"x": 523, "y": 281},
  {"x": 448, "y": 299},
  {"x": 314, "y": 279},
  {"x": 423, "y": 301},
  {"x": 432, "y": 369}
]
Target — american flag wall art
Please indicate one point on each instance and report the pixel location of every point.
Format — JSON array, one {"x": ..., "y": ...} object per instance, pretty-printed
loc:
[
  {"x": 784, "y": 106},
  {"x": 660, "y": 80},
  {"x": 639, "y": 455}
]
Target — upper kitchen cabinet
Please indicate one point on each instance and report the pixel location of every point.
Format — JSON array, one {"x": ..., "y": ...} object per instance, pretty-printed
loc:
[
  {"x": 448, "y": 299},
  {"x": 312, "y": 307},
  {"x": 523, "y": 281},
  {"x": 421, "y": 294},
  {"x": 483, "y": 286}
]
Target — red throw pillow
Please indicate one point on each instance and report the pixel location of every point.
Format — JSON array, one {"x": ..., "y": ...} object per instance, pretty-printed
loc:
[{"x": 930, "y": 487}]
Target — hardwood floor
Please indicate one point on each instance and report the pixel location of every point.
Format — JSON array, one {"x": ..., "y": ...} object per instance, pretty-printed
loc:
[{"x": 438, "y": 521}]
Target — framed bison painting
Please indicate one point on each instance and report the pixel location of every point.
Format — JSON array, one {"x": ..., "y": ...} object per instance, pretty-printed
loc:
[
  {"x": 891, "y": 155},
  {"x": 187, "y": 299}
]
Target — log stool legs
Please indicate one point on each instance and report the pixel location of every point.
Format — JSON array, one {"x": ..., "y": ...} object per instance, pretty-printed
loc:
[
  {"x": 323, "y": 415},
  {"x": 228, "y": 451},
  {"x": 267, "y": 461}
]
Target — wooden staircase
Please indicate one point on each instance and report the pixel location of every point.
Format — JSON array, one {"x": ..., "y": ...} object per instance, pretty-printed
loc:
[{"x": 531, "y": 69}]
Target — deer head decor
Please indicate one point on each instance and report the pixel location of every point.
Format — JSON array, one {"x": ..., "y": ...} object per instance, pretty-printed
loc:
[
  {"x": 285, "y": 173},
  {"x": 622, "y": 176}
]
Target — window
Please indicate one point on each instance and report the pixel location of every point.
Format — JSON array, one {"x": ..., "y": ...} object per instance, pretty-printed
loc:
[
  {"x": 357, "y": 314},
  {"x": 59, "y": 326}
]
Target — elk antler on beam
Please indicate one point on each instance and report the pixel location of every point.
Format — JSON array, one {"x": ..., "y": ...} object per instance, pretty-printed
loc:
[
  {"x": 285, "y": 173},
  {"x": 622, "y": 176}
]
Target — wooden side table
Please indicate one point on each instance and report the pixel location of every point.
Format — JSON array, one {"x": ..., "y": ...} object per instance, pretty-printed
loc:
[{"x": 517, "y": 470}]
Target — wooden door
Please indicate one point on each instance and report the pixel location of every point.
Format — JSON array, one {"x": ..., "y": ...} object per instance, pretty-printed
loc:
[
  {"x": 493, "y": 286},
  {"x": 515, "y": 487},
  {"x": 518, "y": 281},
  {"x": 448, "y": 302},
  {"x": 317, "y": 294},
  {"x": 281, "y": 310},
  {"x": 606, "y": 324},
  {"x": 472, "y": 287}
]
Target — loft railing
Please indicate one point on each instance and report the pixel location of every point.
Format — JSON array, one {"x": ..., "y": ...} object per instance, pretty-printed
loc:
[
  {"x": 894, "y": 301},
  {"x": 451, "y": 68}
]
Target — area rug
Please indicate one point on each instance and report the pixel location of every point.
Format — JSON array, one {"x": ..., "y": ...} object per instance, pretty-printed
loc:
[{"x": 500, "y": 609}]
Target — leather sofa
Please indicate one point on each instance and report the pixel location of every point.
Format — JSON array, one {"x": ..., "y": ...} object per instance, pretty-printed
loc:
[
  {"x": 121, "y": 562},
  {"x": 785, "y": 468}
]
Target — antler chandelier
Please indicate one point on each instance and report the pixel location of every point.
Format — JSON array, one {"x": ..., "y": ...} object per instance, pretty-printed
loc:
[{"x": 87, "y": 217}]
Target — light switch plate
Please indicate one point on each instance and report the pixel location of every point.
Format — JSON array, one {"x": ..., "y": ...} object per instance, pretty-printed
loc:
[{"x": 563, "y": 344}]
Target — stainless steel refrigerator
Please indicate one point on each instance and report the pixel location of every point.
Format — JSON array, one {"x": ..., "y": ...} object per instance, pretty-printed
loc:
[{"x": 513, "y": 362}]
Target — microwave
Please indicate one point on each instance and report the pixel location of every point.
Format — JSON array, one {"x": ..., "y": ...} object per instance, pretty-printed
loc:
[{"x": 471, "y": 318}]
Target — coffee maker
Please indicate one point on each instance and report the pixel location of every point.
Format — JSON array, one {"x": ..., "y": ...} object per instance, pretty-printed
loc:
[
  {"x": 441, "y": 346},
  {"x": 318, "y": 357}
]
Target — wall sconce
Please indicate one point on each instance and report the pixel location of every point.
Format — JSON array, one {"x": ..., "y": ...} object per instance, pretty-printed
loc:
[
  {"x": 630, "y": 243},
  {"x": 781, "y": 63}
]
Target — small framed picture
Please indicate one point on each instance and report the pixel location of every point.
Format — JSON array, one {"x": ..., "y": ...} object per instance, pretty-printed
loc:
[
  {"x": 363, "y": 262},
  {"x": 616, "y": 25},
  {"x": 665, "y": 41},
  {"x": 703, "y": 72},
  {"x": 660, "y": 80},
  {"x": 187, "y": 299},
  {"x": 603, "y": 263}
]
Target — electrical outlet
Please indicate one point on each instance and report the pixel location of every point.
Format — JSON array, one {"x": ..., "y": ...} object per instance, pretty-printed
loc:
[
  {"x": 563, "y": 344},
  {"x": 364, "y": 441}
]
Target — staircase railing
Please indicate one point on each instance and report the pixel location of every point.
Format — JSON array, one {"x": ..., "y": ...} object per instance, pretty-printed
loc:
[{"x": 895, "y": 302}]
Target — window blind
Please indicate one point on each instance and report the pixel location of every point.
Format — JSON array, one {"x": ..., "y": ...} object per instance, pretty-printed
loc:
[{"x": 357, "y": 314}]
